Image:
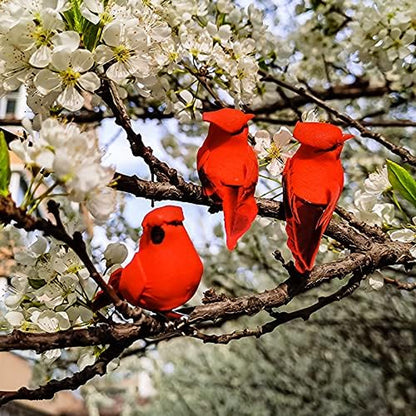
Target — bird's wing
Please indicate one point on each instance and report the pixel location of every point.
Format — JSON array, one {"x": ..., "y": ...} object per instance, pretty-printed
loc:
[
  {"x": 304, "y": 236},
  {"x": 329, "y": 210},
  {"x": 231, "y": 174},
  {"x": 302, "y": 224},
  {"x": 288, "y": 195},
  {"x": 202, "y": 155},
  {"x": 133, "y": 280},
  {"x": 239, "y": 204}
]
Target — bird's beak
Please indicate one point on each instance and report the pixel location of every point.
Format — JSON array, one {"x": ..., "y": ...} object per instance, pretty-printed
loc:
[
  {"x": 345, "y": 137},
  {"x": 249, "y": 117},
  {"x": 207, "y": 116}
]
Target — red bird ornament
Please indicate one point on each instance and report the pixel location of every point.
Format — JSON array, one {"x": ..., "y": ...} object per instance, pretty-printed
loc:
[
  {"x": 165, "y": 272},
  {"x": 228, "y": 169},
  {"x": 313, "y": 180}
]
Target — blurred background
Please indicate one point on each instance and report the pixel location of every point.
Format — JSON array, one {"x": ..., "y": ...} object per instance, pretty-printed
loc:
[{"x": 355, "y": 357}]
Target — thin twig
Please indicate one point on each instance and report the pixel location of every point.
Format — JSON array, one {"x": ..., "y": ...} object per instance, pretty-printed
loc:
[
  {"x": 280, "y": 317},
  {"x": 399, "y": 284},
  {"x": 162, "y": 171},
  {"x": 398, "y": 150}
]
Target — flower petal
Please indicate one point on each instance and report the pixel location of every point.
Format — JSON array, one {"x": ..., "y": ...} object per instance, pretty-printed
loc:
[
  {"x": 61, "y": 59},
  {"x": 81, "y": 60},
  {"x": 89, "y": 81},
  {"x": 282, "y": 137},
  {"x": 95, "y": 6},
  {"x": 275, "y": 167},
  {"x": 376, "y": 280},
  {"x": 93, "y": 18},
  {"x": 71, "y": 99},
  {"x": 66, "y": 40},
  {"x": 118, "y": 72},
  {"x": 112, "y": 34},
  {"x": 41, "y": 58},
  {"x": 46, "y": 81},
  {"x": 103, "y": 54},
  {"x": 405, "y": 235}
]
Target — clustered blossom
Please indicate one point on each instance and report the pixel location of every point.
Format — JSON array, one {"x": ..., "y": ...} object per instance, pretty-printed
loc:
[
  {"x": 384, "y": 36},
  {"x": 376, "y": 39},
  {"x": 369, "y": 204},
  {"x": 74, "y": 159},
  {"x": 46, "y": 290},
  {"x": 136, "y": 44},
  {"x": 68, "y": 74}
]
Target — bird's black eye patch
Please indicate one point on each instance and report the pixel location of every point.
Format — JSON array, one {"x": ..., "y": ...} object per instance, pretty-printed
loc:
[
  {"x": 176, "y": 223},
  {"x": 332, "y": 148},
  {"x": 157, "y": 234},
  {"x": 240, "y": 131}
]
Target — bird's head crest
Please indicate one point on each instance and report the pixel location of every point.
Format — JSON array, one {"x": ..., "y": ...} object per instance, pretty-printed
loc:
[
  {"x": 163, "y": 215},
  {"x": 319, "y": 135},
  {"x": 228, "y": 119}
]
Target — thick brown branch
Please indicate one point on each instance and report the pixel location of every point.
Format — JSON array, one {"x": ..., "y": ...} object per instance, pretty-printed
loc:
[
  {"x": 360, "y": 264},
  {"x": 221, "y": 308},
  {"x": 94, "y": 335},
  {"x": 194, "y": 194}
]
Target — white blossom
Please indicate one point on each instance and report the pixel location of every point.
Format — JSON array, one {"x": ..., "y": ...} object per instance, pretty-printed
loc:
[
  {"x": 377, "y": 182},
  {"x": 376, "y": 280},
  {"x": 75, "y": 160},
  {"x": 70, "y": 76},
  {"x": 274, "y": 150},
  {"x": 125, "y": 49},
  {"x": 115, "y": 253}
]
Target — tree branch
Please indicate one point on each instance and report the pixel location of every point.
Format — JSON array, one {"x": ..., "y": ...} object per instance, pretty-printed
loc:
[
  {"x": 281, "y": 317},
  {"x": 9, "y": 212},
  {"x": 48, "y": 390},
  {"x": 194, "y": 194},
  {"x": 405, "y": 155},
  {"x": 163, "y": 172},
  {"x": 400, "y": 285},
  {"x": 337, "y": 92},
  {"x": 368, "y": 123}
]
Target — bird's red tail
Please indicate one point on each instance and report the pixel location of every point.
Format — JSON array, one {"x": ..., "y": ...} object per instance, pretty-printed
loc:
[
  {"x": 101, "y": 299},
  {"x": 239, "y": 213},
  {"x": 304, "y": 233}
]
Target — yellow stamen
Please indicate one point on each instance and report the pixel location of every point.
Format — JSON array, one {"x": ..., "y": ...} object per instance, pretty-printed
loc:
[
  {"x": 69, "y": 77},
  {"x": 121, "y": 53}
]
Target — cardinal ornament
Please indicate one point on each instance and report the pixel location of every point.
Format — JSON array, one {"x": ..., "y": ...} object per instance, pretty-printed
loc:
[
  {"x": 165, "y": 272},
  {"x": 228, "y": 169},
  {"x": 313, "y": 180}
]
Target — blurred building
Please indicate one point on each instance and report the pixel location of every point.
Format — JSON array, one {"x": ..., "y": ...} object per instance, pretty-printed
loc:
[{"x": 17, "y": 372}]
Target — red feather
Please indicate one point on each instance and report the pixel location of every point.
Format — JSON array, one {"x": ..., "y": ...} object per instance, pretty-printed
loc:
[
  {"x": 165, "y": 272},
  {"x": 313, "y": 180},
  {"x": 228, "y": 169}
]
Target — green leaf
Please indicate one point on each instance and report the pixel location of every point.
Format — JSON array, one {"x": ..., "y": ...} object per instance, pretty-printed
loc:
[
  {"x": 402, "y": 181},
  {"x": 37, "y": 283},
  {"x": 4, "y": 166}
]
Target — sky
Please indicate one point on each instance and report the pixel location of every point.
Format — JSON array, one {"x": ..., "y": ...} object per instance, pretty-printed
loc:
[{"x": 198, "y": 221}]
